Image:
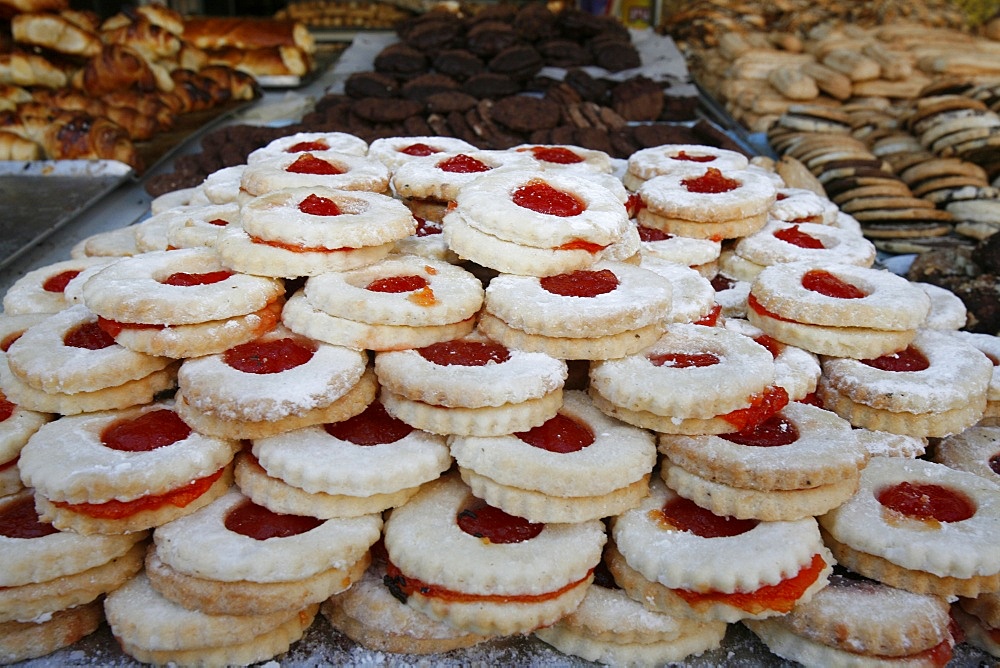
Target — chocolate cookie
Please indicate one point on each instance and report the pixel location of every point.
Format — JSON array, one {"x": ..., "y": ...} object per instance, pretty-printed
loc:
[
  {"x": 588, "y": 87},
  {"x": 614, "y": 54},
  {"x": 519, "y": 61},
  {"x": 425, "y": 85},
  {"x": 370, "y": 84},
  {"x": 377, "y": 111},
  {"x": 488, "y": 38},
  {"x": 490, "y": 85},
  {"x": 521, "y": 113},
  {"x": 638, "y": 99},
  {"x": 400, "y": 59},
  {"x": 566, "y": 53},
  {"x": 459, "y": 64},
  {"x": 443, "y": 30},
  {"x": 445, "y": 102},
  {"x": 534, "y": 22}
]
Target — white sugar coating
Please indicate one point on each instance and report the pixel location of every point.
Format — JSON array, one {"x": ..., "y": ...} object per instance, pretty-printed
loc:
[
  {"x": 744, "y": 368},
  {"x": 523, "y": 376},
  {"x": 886, "y": 444},
  {"x": 796, "y": 370},
  {"x": 351, "y": 172},
  {"x": 450, "y": 293},
  {"x": 130, "y": 290},
  {"x": 692, "y": 295},
  {"x": 223, "y": 185},
  {"x": 971, "y": 450},
  {"x": 765, "y": 555},
  {"x": 588, "y": 159},
  {"x": 947, "y": 309},
  {"x": 212, "y": 386},
  {"x": 42, "y": 359},
  {"x": 341, "y": 142},
  {"x": 990, "y": 346},
  {"x": 683, "y": 250},
  {"x": 194, "y": 226},
  {"x": 426, "y": 178},
  {"x": 669, "y": 158},
  {"x": 17, "y": 429},
  {"x": 802, "y": 205},
  {"x": 424, "y": 540},
  {"x": 619, "y": 455},
  {"x": 488, "y": 205},
  {"x": 611, "y": 611},
  {"x": 392, "y": 151},
  {"x": 957, "y": 371},
  {"x": 960, "y": 549},
  {"x": 312, "y": 459},
  {"x": 669, "y": 196},
  {"x": 766, "y": 246},
  {"x": 30, "y": 560},
  {"x": 28, "y": 293},
  {"x": 200, "y": 545},
  {"x": 364, "y": 218},
  {"x": 139, "y": 615},
  {"x": 66, "y": 460},
  {"x": 641, "y": 297}
]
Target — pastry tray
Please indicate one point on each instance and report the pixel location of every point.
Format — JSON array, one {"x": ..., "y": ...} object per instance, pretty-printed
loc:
[{"x": 41, "y": 196}]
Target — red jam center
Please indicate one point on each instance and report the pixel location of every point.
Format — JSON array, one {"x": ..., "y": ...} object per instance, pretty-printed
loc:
[
  {"x": 307, "y": 163},
  {"x": 149, "y": 431},
  {"x": 582, "y": 283},
  {"x": 303, "y": 146},
  {"x": 775, "y": 430},
  {"x": 496, "y": 526},
  {"x": 773, "y": 345},
  {"x": 540, "y": 197},
  {"x": 373, "y": 426},
  {"x": 793, "y": 235},
  {"x": 7, "y": 408},
  {"x": 653, "y": 234},
  {"x": 555, "y": 154},
  {"x": 907, "y": 359},
  {"x": 685, "y": 515},
  {"x": 684, "y": 360},
  {"x": 994, "y": 463},
  {"x": 183, "y": 279},
  {"x": 825, "y": 283},
  {"x": 59, "y": 282},
  {"x": 257, "y": 522},
  {"x": 927, "y": 502},
  {"x": 561, "y": 434},
  {"x": 272, "y": 356},
  {"x": 418, "y": 150},
  {"x": 20, "y": 520},
  {"x": 684, "y": 156},
  {"x": 397, "y": 284},
  {"x": 218, "y": 222},
  {"x": 711, "y": 182},
  {"x": 89, "y": 335},
  {"x": 463, "y": 164},
  {"x": 314, "y": 205},
  {"x": 426, "y": 228},
  {"x": 465, "y": 353}
]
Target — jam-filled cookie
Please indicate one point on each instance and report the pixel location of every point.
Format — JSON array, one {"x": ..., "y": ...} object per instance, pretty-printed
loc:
[
  {"x": 235, "y": 557},
  {"x": 979, "y": 618},
  {"x": 682, "y": 559},
  {"x": 277, "y": 382},
  {"x": 67, "y": 364},
  {"x": 470, "y": 386},
  {"x": 693, "y": 299},
  {"x": 919, "y": 526},
  {"x": 311, "y": 230},
  {"x": 565, "y": 156},
  {"x": 837, "y": 309},
  {"x": 17, "y": 424},
  {"x": 459, "y": 560},
  {"x": 609, "y": 310},
  {"x": 933, "y": 387},
  {"x": 124, "y": 471},
  {"x": 693, "y": 380},
  {"x": 181, "y": 303},
  {"x": 578, "y": 465},
  {"x": 403, "y": 301},
  {"x": 648, "y": 163},
  {"x": 976, "y": 450},
  {"x": 153, "y": 629},
  {"x": 393, "y": 152},
  {"x": 196, "y": 226},
  {"x": 42, "y": 290},
  {"x": 989, "y": 345},
  {"x": 304, "y": 142},
  {"x": 365, "y": 464},
  {"x": 330, "y": 169}
]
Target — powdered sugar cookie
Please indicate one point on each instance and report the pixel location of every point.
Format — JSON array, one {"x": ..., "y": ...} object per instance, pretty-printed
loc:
[
  {"x": 571, "y": 468},
  {"x": 613, "y": 629},
  {"x": 780, "y": 242},
  {"x": 795, "y": 369},
  {"x": 799, "y": 205},
  {"x": 123, "y": 471},
  {"x": 42, "y": 290},
  {"x": 369, "y": 614},
  {"x": 117, "y": 242},
  {"x": 331, "y": 169},
  {"x": 679, "y": 250},
  {"x": 427, "y": 241},
  {"x": 439, "y": 177},
  {"x": 17, "y": 424},
  {"x": 978, "y": 631},
  {"x": 193, "y": 196},
  {"x": 302, "y": 142},
  {"x": 277, "y": 382},
  {"x": 655, "y": 388},
  {"x": 575, "y": 315},
  {"x": 934, "y": 387},
  {"x": 685, "y": 560},
  {"x": 647, "y": 163},
  {"x": 152, "y": 629},
  {"x": 369, "y": 457},
  {"x": 235, "y": 557},
  {"x": 151, "y": 234},
  {"x": 479, "y": 569},
  {"x": 976, "y": 450},
  {"x": 809, "y": 304},
  {"x": 470, "y": 386},
  {"x": 947, "y": 310},
  {"x": 394, "y": 151},
  {"x": 564, "y": 156},
  {"x": 989, "y": 345},
  {"x": 731, "y": 295},
  {"x": 224, "y": 185},
  {"x": 20, "y": 641},
  {"x": 195, "y": 226},
  {"x": 855, "y": 621},
  {"x": 693, "y": 299},
  {"x": 919, "y": 526},
  {"x": 887, "y": 444}
]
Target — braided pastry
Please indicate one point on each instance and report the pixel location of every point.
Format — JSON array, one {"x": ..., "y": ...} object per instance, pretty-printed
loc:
[
  {"x": 117, "y": 67},
  {"x": 28, "y": 69},
  {"x": 55, "y": 32}
]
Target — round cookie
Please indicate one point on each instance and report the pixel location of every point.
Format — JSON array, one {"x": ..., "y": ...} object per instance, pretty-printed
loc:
[
  {"x": 302, "y": 142},
  {"x": 331, "y": 169},
  {"x": 976, "y": 450},
  {"x": 394, "y": 151},
  {"x": 42, "y": 290},
  {"x": 648, "y": 163}
]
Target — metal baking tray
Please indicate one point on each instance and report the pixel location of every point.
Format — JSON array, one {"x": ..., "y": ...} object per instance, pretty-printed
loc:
[{"x": 39, "y": 197}]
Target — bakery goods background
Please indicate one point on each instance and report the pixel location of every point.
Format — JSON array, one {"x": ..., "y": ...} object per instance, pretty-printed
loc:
[{"x": 707, "y": 110}]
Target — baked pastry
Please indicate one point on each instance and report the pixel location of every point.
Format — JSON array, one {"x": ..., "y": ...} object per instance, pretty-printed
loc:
[
  {"x": 979, "y": 621},
  {"x": 461, "y": 561},
  {"x": 470, "y": 386},
  {"x": 647, "y": 163},
  {"x": 302, "y": 142},
  {"x": 975, "y": 450},
  {"x": 42, "y": 290},
  {"x": 124, "y": 471}
]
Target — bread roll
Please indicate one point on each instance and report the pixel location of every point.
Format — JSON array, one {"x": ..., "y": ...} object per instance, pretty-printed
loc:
[
  {"x": 265, "y": 61},
  {"x": 116, "y": 67},
  {"x": 247, "y": 33},
  {"x": 13, "y": 147},
  {"x": 28, "y": 69},
  {"x": 9, "y": 8}
]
